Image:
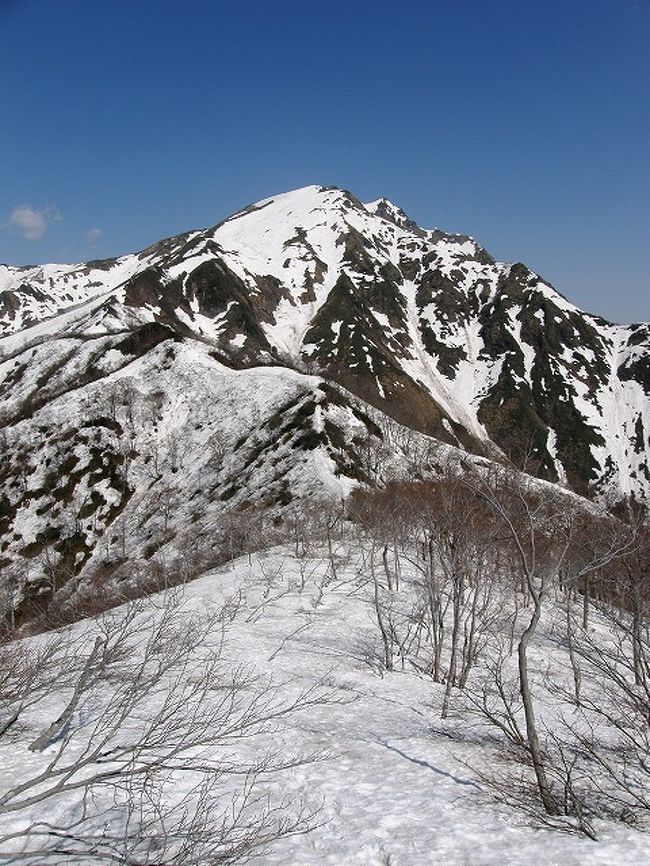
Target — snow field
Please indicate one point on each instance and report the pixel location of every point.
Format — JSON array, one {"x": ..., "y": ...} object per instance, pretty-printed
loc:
[{"x": 395, "y": 785}]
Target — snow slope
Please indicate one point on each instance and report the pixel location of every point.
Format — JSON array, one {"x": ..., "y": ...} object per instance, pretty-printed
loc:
[{"x": 396, "y": 784}]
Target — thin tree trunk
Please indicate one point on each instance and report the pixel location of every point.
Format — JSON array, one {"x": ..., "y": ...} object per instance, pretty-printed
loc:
[
  {"x": 534, "y": 746},
  {"x": 385, "y": 633},
  {"x": 637, "y": 647},
  {"x": 57, "y": 726},
  {"x": 451, "y": 675},
  {"x": 585, "y": 603},
  {"x": 384, "y": 557},
  {"x": 469, "y": 644},
  {"x": 575, "y": 667}
]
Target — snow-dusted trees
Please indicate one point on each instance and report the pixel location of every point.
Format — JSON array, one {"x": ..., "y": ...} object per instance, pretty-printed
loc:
[{"x": 131, "y": 741}]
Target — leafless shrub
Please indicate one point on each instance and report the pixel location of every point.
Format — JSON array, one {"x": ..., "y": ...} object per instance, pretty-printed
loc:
[{"x": 152, "y": 753}]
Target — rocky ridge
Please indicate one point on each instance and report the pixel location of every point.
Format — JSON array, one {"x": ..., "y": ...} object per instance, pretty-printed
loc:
[{"x": 304, "y": 344}]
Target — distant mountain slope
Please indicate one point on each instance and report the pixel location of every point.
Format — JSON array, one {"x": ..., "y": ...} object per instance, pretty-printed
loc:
[
  {"x": 422, "y": 324},
  {"x": 122, "y": 454},
  {"x": 150, "y": 404}
]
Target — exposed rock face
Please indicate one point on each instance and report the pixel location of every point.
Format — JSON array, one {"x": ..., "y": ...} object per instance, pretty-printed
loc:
[
  {"x": 113, "y": 369},
  {"x": 422, "y": 324}
]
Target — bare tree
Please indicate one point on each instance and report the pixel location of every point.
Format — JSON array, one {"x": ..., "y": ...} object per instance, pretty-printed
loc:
[
  {"x": 608, "y": 732},
  {"x": 536, "y": 531},
  {"x": 589, "y": 754},
  {"x": 152, "y": 755}
]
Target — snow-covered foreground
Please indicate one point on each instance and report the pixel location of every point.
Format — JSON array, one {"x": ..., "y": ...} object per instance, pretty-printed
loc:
[{"x": 396, "y": 787}]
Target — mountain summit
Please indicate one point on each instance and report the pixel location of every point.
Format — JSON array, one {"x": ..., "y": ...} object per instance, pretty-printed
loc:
[
  {"x": 421, "y": 324},
  {"x": 154, "y": 403}
]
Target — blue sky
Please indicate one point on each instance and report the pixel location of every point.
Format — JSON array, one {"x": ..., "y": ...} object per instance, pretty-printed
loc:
[{"x": 525, "y": 124}]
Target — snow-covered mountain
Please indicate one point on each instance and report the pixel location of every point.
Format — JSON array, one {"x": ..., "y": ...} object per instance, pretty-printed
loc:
[
  {"x": 422, "y": 324},
  {"x": 239, "y": 365}
]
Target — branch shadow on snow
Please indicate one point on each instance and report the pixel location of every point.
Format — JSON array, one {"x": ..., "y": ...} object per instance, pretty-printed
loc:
[{"x": 429, "y": 766}]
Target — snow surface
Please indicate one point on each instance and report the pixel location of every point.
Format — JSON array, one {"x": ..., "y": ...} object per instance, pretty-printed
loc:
[{"x": 396, "y": 786}]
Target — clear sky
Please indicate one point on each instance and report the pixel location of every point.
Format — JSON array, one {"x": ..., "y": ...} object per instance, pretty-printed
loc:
[{"x": 525, "y": 124}]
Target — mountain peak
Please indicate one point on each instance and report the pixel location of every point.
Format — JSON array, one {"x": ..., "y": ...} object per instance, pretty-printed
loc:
[
  {"x": 314, "y": 199},
  {"x": 385, "y": 209},
  {"x": 422, "y": 324}
]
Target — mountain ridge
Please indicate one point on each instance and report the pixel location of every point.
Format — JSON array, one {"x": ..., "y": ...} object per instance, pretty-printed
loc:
[
  {"x": 162, "y": 402},
  {"x": 420, "y": 323}
]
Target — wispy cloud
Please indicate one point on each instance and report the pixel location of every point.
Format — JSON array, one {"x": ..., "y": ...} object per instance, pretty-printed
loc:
[
  {"x": 32, "y": 223},
  {"x": 93, "y": 235}
]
